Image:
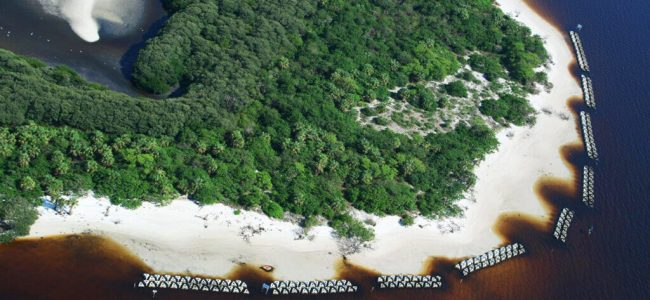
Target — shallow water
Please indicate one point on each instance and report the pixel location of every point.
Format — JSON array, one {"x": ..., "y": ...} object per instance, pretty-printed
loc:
[
  {"x": 87, "y": 17},
  {"x": 611, "y": 263},
  {"x": 25, "y": 28}
]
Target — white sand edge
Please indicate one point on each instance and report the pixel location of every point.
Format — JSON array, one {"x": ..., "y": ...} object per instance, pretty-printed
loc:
[{"x": 175, "y": 239}]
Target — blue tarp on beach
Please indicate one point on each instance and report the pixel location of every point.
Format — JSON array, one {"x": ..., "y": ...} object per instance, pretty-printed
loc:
[{"x": 48, "y": 204}]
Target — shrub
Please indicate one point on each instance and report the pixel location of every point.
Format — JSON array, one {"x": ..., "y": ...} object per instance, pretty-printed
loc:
[
  {"x": 381, "y": 121},
  {"x": 407, "y": 220},
  {"x": 509, "y": 109},
  {"x": 456, "y": 89},
  {"x": 419, "y": 96}
]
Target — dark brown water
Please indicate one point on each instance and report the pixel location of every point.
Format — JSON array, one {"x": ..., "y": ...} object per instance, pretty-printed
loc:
[{"x": 611, "y": 263}]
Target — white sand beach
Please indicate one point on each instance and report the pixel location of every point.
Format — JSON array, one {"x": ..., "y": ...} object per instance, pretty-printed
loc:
[{"x": 183, "y": 237}]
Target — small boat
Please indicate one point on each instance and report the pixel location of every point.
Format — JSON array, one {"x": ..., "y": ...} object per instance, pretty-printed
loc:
[{"x": 267, "y": 268}]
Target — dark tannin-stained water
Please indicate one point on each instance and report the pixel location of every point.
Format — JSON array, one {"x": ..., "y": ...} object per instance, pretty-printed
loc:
[{"x": 611, "y": 263}]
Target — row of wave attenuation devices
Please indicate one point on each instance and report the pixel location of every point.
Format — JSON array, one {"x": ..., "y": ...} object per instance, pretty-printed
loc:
[
  {"x": 588, "y": 186},
  {"x": 580, "y": 51},
  {"x": 590, "y": 144},
  {"x": 588, "y": 91},
  {"x": 163, "y": 281},
  {"x": 317, "y": 287},
  {"x": 409, "y": 281},
  {"x": 490, "y": 258},
  {"x": 563, "y": 224}
]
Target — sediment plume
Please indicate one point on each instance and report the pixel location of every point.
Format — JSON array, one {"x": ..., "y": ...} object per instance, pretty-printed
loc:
[{"x": 89, "y": 18}]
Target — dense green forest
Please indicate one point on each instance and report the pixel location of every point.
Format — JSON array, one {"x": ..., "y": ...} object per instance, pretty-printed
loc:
[{"x": 264, "y": 116}]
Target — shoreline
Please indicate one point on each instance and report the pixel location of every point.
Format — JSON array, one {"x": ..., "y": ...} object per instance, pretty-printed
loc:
[{"x": 208, "y": 240}]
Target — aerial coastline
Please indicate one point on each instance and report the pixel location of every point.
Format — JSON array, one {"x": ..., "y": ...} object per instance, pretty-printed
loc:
[
  {"x": 208, "y": 240},
  {"x": 86, "y": 18}
]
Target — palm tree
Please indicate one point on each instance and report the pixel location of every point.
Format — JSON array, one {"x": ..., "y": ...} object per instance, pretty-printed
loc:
[
  {"x": 159, "y": 176},
  {"x": 60, "y": 162},
  {"x": 27, "y": 183},
  {"x": 322, "y": 163},
  {"x": 237, "y": 139},
  {"x": 121, "y": 142},
  {"x": 106, "y": 156},
  {"x": 201, "y": 147},
  {"x": 7, "y": 142},
  {"x": 23, "y": 160},
  {"x": 98, "y": 138},
  {"x": 91, "y": 166}
]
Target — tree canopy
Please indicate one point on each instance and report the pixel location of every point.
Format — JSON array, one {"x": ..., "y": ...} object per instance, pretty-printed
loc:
[{"x": 261, "y": 114}]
